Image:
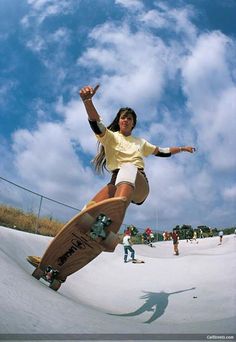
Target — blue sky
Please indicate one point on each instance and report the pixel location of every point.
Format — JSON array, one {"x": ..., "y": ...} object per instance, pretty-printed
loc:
[{"x": 174, "y": 62}]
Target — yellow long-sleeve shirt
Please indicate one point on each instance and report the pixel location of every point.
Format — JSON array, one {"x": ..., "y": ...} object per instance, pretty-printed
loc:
[{"x": 120, "y": 149}]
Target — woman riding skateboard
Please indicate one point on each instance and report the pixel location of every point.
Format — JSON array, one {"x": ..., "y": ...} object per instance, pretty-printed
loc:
[{"x": 121, "y": 153}]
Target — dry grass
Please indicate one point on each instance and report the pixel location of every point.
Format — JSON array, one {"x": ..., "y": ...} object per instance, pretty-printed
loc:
[{"x": 17, "y": 219}]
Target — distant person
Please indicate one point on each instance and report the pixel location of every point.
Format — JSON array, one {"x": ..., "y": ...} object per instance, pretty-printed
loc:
[
  {"x": 166, "y": 236},
  {"x": 148, "y": 231},
  {"x": 133, "y": 230},
  {"x": 194, "y": 238},
  {"x": 175, "y": 238},
  {"x": 127, "y": 231},
  {"x": 221, "y": 233},
  {"x": 128, "y": 246},
  {"x": 148, "y": 236},
  {"x": 201, "y": 234}
]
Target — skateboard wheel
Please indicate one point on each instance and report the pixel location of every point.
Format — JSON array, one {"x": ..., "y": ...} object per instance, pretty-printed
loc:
[
  {"x": 55, "y": 284},
  {"x": 38, "y": 273},
  {"x": 93, "y": 235}
]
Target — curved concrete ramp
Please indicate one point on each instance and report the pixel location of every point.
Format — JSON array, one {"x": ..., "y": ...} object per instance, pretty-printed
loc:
[{"x": 191, "y": 293}]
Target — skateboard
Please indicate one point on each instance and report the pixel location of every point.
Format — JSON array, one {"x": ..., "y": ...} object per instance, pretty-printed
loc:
[
  {"x": 82, "y": 239},
  {"x": 138, "y": 261}
]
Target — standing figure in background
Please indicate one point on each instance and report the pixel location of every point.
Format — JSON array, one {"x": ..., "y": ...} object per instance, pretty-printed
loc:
[
  {"x": 148, "y": 236},
  {"x": 201, "y": 234},
  {"x": 128, "y": 246},
  {"x": 194, "y": 238},
  {"x": 221, "y": 233},
  {"x": 175, "y": 238}
]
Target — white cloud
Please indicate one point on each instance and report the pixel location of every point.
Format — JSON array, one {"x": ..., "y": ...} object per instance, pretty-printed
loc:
[
  {"x": 49, "y": 44},
  {"x": 132, "y": 5},
  {"x": 59, "y": 39},
  {"x": 46, "y": 159},
  {"x": 212, "y": 98},
  {"x": 136, "y": 65},
  {"x": 76, "y": 124},
  {"x": 133, "y": 66},
  {"x": 207, "y": 65},
  {"x": 171, "y": 194},
  {"x": 229, "y": 193},
  {"x": 42, "y": 9},
  {"x": 155, "y": 19},
  {"x": 61, "y": 35},
  {"x": 177, "y": 20},
  {"x": 37, "y": 44},
  {"x": 182, "y": 22}
]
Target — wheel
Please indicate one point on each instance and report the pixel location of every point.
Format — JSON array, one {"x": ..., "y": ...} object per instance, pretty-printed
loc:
[
  {"x": 38, "y": 273},
  {"x": 55, "y": 284}
]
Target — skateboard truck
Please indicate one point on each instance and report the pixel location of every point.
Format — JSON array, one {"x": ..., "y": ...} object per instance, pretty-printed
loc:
[
  {"x": 97, "y": 229},
  {"x": 49, "y": 275}
]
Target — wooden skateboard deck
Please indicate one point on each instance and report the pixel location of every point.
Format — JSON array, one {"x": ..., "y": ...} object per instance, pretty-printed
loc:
[{"x": 81, "y": 240}]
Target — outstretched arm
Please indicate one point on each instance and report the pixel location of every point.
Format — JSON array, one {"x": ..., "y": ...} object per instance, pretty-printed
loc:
[
  {"x": 86, "y": 94},
  {"x": 168, "y": 151}
]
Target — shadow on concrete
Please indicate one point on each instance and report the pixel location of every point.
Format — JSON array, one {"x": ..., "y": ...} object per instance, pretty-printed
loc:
[{"x": 155, "y": 302}]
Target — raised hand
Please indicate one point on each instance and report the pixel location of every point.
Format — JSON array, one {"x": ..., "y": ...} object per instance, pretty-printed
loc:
[
  {"x": 87, "y": 92},
  {"x": 189, "y": 149}
]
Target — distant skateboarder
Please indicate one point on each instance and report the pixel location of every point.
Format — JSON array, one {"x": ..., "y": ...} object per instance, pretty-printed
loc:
[
  {"x": 175, "y": 238},
  {"x": 221, "y": 233},
  {"x": 128, "y": 246}
]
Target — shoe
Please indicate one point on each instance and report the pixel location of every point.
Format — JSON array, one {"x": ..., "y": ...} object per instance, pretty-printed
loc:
[{"x": 34, "y": 260}]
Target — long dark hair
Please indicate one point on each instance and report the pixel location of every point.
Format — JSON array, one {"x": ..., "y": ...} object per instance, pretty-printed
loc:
[{"x": 99, "y": 161}]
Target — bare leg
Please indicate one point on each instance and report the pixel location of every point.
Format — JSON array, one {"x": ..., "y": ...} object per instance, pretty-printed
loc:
[
  {"x": 176, "y": 249},
  {"x": 121, "y": 190},
  {"x": 125, "y": 190},
  {"x": 107, "y": 192},
  {"x": 137, "y": 193}
]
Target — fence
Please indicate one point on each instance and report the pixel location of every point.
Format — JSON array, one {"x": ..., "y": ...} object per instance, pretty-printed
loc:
[{"x": 17, "y": 196}]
